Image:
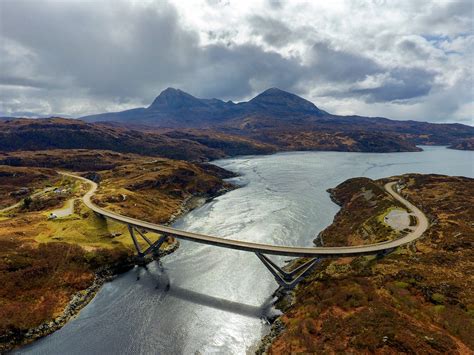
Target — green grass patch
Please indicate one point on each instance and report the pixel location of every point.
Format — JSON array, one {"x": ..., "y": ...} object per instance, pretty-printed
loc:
[
  {"x": 401, "y": 284},
  {"x": 87, "y": 230}
]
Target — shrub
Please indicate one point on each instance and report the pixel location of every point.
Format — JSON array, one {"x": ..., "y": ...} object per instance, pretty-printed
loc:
[{"x": 437, "y": 298}]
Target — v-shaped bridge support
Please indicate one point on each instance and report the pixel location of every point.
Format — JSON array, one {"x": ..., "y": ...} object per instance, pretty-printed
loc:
[
  {"x": 288, "y": 280},
  {"x": 152, "y": 247}
]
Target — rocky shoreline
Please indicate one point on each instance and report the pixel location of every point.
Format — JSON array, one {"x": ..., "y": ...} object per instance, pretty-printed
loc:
[
  {"x": 80, "y": 299},
  {"x": 277, "y": 326},
  {"x": 275, "y": 330},
  {"x": 375, "y": 304},
  {"x": 284, "y": 300},
  {"x": 192, "y": 202}
]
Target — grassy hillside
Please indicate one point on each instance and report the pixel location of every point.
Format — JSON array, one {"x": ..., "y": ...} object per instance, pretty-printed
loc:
[
  {"x": 49, "y": 268},
  {"x": 255, "y": 136},
  {"x": 58, "y": 133}
]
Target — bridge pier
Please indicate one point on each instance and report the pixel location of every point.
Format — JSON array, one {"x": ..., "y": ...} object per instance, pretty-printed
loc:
[
  {"x": 384, "y": 253},
  {"x": 98, "y": 215},
  {"x": 152, "y": 246},
  {"x": 288, "y": 280}
]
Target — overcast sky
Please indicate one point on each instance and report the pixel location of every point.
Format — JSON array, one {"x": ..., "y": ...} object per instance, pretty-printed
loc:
[{"x": 399, "y": 59}]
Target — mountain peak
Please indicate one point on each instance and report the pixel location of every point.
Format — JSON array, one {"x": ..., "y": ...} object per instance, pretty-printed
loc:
[
  {"x": 272, "y": 100},
  {"x": 275, "y": 91},
  {"x": 171, "y": 91},
  {"x": 175, "y": 99},
  {"x": 276, "y": 98}
]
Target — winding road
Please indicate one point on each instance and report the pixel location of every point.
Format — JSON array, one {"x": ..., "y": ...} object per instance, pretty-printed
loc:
[
  {"x": 312, "y": 252},
  {"x": 36, "y": 194}
]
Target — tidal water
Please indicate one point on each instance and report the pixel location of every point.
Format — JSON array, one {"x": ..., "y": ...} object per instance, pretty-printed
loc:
[{"x": 203, "y": 299}]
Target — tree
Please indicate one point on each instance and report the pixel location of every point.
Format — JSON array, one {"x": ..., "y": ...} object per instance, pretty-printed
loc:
[{"x": 27, "y": 202}]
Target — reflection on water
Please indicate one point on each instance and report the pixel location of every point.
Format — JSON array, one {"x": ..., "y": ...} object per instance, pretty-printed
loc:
[{"x": 204, "y": 299}]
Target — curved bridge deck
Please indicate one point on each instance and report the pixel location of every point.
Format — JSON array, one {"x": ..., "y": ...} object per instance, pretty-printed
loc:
[{"x": 258, "y": 248}]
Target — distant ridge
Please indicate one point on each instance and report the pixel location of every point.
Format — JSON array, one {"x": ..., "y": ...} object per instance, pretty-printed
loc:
[{"x": 281, "y": 118}]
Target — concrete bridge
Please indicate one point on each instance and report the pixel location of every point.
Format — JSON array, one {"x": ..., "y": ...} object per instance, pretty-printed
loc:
[{"x": 285, "y": 279}]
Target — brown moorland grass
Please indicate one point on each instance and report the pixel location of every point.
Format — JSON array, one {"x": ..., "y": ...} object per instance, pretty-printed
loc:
[
  {"x": 419, "y": 299},
  {"x": 44, "y": 262},
  {"x": 20, "y": 182}
]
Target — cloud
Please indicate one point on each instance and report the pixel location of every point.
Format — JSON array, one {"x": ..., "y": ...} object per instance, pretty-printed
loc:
[
  {"x": 448, "y": 17},
  {"x": 75, "y": 57},
  {"x": 400, "y": 84},
  {"x": 104, "y": 56},
  {"x": 110, "y": 51},
  {"x": 243, "y": 70},
  {"x": 272, "y": 31},
  {"x": 335, "y": 65}
]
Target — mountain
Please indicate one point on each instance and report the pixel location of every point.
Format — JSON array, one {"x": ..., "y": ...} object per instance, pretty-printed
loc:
[
  {"x": 180, "y": 126},
  {"x": 283, "y": 119},
  {"x": 175, "y": 108}
]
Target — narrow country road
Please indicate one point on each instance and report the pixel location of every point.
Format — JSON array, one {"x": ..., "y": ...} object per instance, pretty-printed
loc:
[
  {"x": 312, "y": 252},
  {"x": 36, "y": 194},
  {"x": 422, "y": 221}
]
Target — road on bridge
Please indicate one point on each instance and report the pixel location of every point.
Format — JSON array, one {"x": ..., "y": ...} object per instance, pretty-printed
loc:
[{"x": 312, "y": 252}]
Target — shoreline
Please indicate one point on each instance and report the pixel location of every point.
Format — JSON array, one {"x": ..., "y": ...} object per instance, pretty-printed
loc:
[
  {"x": 274, "y": 324},
  {"x": 380, "y": 273},
  {"x": 286, "y": 298},
  {"x": 82, "y": 298}
]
